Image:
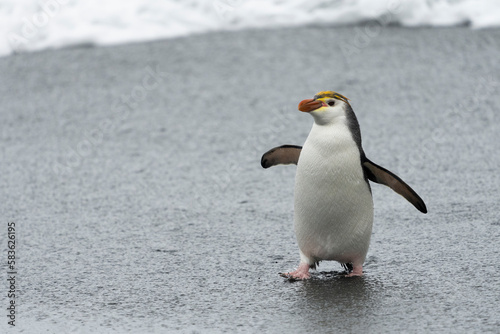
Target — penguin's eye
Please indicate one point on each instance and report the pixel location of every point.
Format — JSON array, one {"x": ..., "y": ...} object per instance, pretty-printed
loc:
[{"x": 331, "y": 103}]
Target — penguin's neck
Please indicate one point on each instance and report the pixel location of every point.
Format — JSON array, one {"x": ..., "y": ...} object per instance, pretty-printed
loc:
[{"x": 335, "y": 136}]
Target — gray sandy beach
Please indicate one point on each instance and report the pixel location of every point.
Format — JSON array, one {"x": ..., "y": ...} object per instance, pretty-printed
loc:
[{"x": 132, "y": 174}]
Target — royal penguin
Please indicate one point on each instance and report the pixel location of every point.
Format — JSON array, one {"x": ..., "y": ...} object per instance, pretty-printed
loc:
[{"x": 333, "y": 205}]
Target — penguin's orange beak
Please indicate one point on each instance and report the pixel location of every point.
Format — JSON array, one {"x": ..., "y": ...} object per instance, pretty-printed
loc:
[{"x": 309, "y": 105}]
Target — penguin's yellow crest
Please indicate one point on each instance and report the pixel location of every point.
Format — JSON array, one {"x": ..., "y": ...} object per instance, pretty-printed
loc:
[{"x": 331, "y": 94}]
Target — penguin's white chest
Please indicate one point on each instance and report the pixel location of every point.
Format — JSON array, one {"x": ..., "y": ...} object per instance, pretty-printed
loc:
[{"x": 333, "y": 203}]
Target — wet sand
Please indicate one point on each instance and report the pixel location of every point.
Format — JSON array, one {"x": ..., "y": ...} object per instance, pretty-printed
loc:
[{"x": 133, "y": 176}]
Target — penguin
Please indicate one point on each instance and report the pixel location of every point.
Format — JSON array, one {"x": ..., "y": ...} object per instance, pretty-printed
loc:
[{"x": 333, "y": 205}]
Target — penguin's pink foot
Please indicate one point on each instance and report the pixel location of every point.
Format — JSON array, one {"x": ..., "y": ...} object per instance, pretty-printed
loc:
[
  {"x": 356, "y": 271},
  {"x": 301, "y": 273}
]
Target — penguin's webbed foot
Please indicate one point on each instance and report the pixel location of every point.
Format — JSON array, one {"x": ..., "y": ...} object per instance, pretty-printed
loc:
[{"x": 301, "y": 273}]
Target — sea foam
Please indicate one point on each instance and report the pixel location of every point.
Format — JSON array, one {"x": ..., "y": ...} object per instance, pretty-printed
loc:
[{"x": 28, "y": 25}]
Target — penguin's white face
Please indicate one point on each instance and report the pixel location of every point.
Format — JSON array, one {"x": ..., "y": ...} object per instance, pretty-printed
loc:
[{"x": 326, "y": 107}]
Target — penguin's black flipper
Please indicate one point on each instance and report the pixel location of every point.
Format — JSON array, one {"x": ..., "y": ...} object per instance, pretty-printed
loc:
[
  {"x": 381, "y": 175},
  {"x": 281, "y": 155}
]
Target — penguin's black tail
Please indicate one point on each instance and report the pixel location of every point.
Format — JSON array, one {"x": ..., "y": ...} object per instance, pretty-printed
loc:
[
  {"x": 314, "y": 265},
  {"x": 347, "y": 267}
]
